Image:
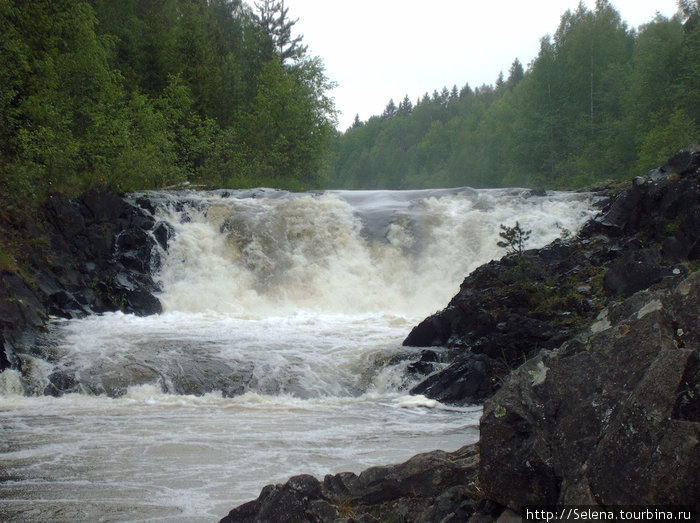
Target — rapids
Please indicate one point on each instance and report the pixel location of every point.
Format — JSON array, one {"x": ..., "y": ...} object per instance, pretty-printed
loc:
[{"x": 278, "y": 352}]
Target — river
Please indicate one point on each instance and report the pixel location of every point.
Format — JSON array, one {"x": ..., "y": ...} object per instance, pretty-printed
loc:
[{"x": 278, "y": 352}]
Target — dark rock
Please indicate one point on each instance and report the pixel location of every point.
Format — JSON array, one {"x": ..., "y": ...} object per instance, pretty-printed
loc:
[
  {"x": 289, "y": 502},
  {"x": 65, "y": 215},
  {"x": 425, "y": 365},
  {"x": 434, "y": 486},
  {"x": 64, "y": 305},
  {"x": 19, "y": 306},
  {"x": 684, "y": 161},
  {"x": 608, "y": 418},
  {"x": 468, "y": 380},
  {"x": 146, "y": 205},
  {"x": 103, "y": 204},
  {"x": 142, "y": 303},
  {"x": 90, "y": 254},
  {"x": 21, "y": 315},
  {"x": 674, "y": 249},
  {"x": 629, "y": 277},
  {"x": 454, "y": 505},
  {"x": 536, "y": 192},
  {"x": 434, "y": 330},
  {"x": 162, "y": 234},
  {"x": 60, "y": 383},
  {"x": 107, "y": 254}
]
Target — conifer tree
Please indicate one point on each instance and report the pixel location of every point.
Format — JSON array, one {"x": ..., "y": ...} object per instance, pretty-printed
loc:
[
  {"x": 516, "y": 74},
  {"x": 405, "y": 106},
  {"x": 273, "y": 17},
  {"x": 390, "y": 110}
]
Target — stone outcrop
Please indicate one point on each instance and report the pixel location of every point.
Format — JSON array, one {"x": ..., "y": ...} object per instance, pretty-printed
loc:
[
  {"x": 611, "y": 417},
  {"x": 100, "y": 261},
  {"x": 508, "y": 310},
  {"x": 87, "y": 255},
  {"x": 21, "y": 314},
  {"x": 436, "y": 486}
]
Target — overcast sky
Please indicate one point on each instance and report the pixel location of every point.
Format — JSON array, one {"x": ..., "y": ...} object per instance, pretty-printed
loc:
[{"x": 381, "y": 49}]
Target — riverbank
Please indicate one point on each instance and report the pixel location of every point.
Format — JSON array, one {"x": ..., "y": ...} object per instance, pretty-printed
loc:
[{"x": 605, "y": 410}]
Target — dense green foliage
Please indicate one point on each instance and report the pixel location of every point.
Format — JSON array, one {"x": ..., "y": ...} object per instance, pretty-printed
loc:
[
  {"x": 599, "y": 101},
  {"x": 135, "y": 95}
]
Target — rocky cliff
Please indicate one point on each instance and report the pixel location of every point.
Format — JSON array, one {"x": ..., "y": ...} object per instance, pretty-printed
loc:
[
  {"x": 78, "y": 256},
  {"x": 587, "y": 353}
]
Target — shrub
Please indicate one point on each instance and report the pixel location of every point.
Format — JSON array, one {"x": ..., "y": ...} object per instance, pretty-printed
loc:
[{"x": 513, "y": 238}]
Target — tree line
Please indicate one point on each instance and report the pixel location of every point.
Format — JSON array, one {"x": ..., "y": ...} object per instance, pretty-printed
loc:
[
  {"x": 136, "y": 95},
  {"x": 599, "y": 101}
]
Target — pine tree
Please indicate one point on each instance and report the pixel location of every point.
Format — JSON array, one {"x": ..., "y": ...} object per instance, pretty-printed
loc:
[
  {"x": 405, "y": 106},
  {"x": 500, "y": 82},
  {"x": 273, "y": 17},
  {"x": 516, "y": 74},
  {"x": 390, "y": 110}
]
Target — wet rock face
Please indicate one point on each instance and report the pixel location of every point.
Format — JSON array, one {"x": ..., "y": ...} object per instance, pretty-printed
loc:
[
  {"x": 610, "y": 418},
  {"x": 465, "y": 381},
  {"x": 20, "y": 313},
  {"x": 436, "y": 486},
  {"x": 101, "y": 250},
  {"x": 87, "y": 255}
]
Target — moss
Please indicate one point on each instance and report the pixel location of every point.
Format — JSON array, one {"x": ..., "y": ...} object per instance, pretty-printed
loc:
[
  {"x": 8, "y": 260},
  {"x": 672, "y": 227}
]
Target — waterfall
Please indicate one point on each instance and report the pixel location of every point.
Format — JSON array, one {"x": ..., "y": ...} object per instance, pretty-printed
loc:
[
  {"x": 278, "y": 351},
  {"x": 398, "y": 252}
]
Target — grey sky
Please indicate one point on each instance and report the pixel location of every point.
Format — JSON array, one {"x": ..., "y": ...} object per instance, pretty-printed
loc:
[{"x": 381, "y": 49}]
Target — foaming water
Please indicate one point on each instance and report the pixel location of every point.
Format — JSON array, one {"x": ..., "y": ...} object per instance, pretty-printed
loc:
[
  {"x": 278, "y": 352},
  {"x": 149, "y": 456},
  {"x": 401, "y": 252}
]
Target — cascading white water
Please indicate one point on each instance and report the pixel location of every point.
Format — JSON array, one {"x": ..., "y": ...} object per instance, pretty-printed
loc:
[{"x": 278, "y": 352}]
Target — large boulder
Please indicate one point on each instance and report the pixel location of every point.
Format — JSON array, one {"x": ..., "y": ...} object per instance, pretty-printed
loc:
[{"x": 611, "y": 417}]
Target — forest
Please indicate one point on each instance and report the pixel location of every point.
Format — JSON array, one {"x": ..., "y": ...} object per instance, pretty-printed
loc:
[
  {"x": 137, "y": 95},
  {"x": 600, "y": 101}
]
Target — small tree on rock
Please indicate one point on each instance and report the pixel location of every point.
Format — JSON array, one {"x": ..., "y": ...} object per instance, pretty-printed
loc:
[{"x": 513, "y": 238}]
